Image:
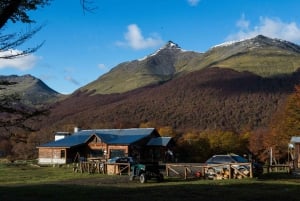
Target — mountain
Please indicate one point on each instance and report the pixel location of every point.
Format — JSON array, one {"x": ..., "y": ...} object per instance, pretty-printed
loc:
[
  {"x": 234, "y": 86},
  {"x": 158, "y": 67},
  {"x": 231, "y": 86},
  {"x": 24, "y": 103},
  {"x": 27, "y": 90},
  {"x": 211, "y": 98},
  {"x": 260, "y": 55}
]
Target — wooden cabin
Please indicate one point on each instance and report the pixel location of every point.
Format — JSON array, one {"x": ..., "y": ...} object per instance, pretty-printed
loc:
[
  {"x": 101, "y": 144},
  {"x": 294, "y": 149}
]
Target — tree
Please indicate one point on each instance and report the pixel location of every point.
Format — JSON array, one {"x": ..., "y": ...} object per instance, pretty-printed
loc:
[
  {"x": 16, "y": 11},
  {"x": 10, "y": 41},
  {"x": 259, "y": 145},
  {"x": 285, "y": 124}
]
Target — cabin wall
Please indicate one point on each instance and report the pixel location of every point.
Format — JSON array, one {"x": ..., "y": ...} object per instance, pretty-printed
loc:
[
  {"x": 297, "y": 155},
  {"x": 117, "y": 150},
  {"x": 52, "y": 156}
]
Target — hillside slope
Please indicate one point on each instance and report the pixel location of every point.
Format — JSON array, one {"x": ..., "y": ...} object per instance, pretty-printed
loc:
[
  {"x": 260, "y": 55},
  {"x": 27, "y": 90},
  {"x": 212, "y": 98},
  {"x": 159, "y": 67}
]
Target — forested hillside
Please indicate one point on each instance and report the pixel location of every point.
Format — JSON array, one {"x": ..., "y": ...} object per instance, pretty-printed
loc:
[{"x": 211, "y": 98}]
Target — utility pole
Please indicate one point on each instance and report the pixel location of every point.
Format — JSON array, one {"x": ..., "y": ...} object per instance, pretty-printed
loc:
[{"x": 271, "y": 155}]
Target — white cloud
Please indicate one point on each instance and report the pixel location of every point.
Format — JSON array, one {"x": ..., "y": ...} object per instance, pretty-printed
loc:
[
  {"x": 193, "y": 2},
  {"x": 72, "y": 80},
  {"x": 135, "y": 39},
  {"x": 243, "y": 23},
  {"x": 274, "y": 28},
  {"x": 102, "y": 67},
  {"x": 22, "y": 63}
]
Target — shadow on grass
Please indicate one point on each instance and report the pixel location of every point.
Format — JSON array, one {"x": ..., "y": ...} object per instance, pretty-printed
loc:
[{"x": 174, "y": 191}]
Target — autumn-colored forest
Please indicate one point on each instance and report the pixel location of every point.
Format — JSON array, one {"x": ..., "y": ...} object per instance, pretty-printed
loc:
[{"x": 210, "y": 111}]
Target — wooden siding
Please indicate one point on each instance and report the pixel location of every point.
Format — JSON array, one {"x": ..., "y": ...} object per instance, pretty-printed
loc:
[
  {"x": 96, "y": 143},
  {"x": 52, "y": 155},
  {"x": 297, "y": 155}
]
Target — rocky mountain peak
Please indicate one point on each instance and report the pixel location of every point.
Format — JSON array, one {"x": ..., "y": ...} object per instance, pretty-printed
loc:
[
  {"x": 258, "y": 42},
  {"x": 264, "y": 41},
  {"x": 171, "y": 45}
]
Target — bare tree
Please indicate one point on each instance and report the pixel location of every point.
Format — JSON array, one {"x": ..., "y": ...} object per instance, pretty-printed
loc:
[
  {"x": 87, "y": 5},
  {"x": 16, "y": 11},
  {"x": 10, "y": 41}
]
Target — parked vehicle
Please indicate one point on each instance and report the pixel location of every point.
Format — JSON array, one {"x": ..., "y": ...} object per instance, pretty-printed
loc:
[
  {"x": 121, "y": 160},
  {"x": 227, "y": 159},
  {"x": 145, "y": 172}
]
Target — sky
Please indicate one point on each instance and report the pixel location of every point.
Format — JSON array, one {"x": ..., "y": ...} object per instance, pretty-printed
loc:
[{"x": 81, "y": 46}]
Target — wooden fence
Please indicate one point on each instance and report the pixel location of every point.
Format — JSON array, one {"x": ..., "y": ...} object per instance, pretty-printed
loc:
[
  {"x": 182, "y": 170},
  {"x": 278, "y": 168},
  {"x": 102, "y": 167},
  {"x": 203, "y": 171}
]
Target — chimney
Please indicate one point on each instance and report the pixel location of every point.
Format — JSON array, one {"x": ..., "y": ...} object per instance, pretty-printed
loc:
[
  {"x": 61, "y": 135},
  {"x": 76, "y": 129}
]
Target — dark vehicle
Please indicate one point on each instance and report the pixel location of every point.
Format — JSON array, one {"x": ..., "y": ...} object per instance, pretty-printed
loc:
[
  {"x": 121, "y": 160},
  {"x": 145, "y": 172},
  {"x": 231, "y": 159}
]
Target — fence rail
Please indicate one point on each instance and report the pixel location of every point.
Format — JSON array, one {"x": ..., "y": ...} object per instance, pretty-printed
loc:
[
  {"x": 102, "y": 167},
  {"x": 278, "y": 168},
  {"x": 204, "y": 171}
]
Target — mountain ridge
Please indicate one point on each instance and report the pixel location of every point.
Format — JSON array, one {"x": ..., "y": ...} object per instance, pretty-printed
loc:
[
  {"x": 154, "y": 68},
  {"x": 28, "y": 89},
  {"x": 260, "y": 55}
]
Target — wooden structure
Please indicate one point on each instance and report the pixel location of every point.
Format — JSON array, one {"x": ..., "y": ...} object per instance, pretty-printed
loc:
[
  {"x": 185, "y": 170},
  {"x": 102, "y": 144},
  {"x": 294, "y": 151},
  {"x": 90, "y": 167},
  {"x": 118, "y": 168},
  {"x": 99, "y": 167},
  {"x": 194, "y": 170},
  {"x": 279, "y": 168}
]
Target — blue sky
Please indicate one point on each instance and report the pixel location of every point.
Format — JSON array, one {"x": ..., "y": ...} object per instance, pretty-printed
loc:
[{"x": 79, "y": 47}]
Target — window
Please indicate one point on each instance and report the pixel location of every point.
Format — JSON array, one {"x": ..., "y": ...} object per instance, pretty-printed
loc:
[
  {"x": 62, "y": 153},
  {"x": 117, "y": 152}
]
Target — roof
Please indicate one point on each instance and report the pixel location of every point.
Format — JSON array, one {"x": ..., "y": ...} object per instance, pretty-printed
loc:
[
  {"x": 108, "y": 136},
  {"x": 67, "y": 142},
  {"x": 295, "y": 139},
  {"x": 159, "y": 141},
  {"x": 62, "y": 133}
]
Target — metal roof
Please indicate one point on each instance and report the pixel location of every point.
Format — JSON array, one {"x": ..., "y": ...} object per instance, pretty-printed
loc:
[
  {"x": 70, "y": 141},
  {"x": 108, "y": 136},
  {"x": 295, "y": 139},
  {"x": 159, "y": 141},
  {"x": 120, "y": 139}
]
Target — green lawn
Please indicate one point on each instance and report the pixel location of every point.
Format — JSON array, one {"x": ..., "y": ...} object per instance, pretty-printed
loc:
[{"x": 27, "y": 182}]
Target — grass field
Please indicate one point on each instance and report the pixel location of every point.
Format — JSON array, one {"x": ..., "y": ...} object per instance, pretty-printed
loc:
[{"x": 26, "y": 182}]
